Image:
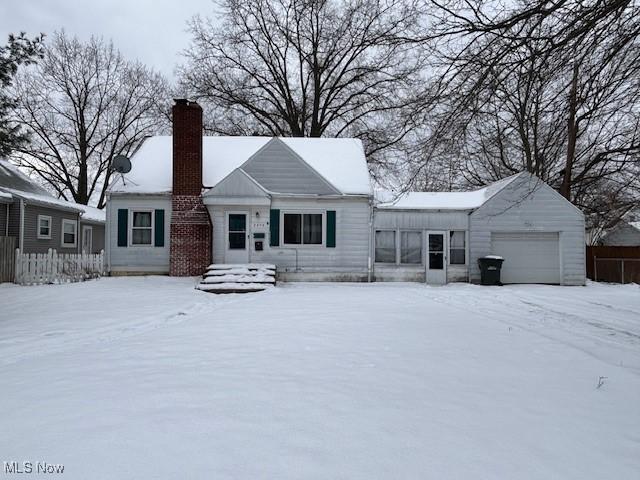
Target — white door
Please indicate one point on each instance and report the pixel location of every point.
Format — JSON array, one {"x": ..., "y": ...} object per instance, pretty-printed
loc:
[
  {"x": 237, "y": 248},
  {"x": 436, "y": 258},
  {"x": 87, "y": 239},
  {"x": 529, "y": 257}
]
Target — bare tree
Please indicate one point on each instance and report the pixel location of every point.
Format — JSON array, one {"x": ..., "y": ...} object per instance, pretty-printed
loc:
[
  {"x": 82, "y": 105},
  {"x": 308, "y": 68},
  {"x": 547, "y": 87}
]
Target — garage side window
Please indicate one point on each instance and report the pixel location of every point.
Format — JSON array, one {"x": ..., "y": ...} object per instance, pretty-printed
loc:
[
  {"x": 385, "y": 246},
  {"x": 457, "y": 247},
  {"x": 411, "y": 247}
]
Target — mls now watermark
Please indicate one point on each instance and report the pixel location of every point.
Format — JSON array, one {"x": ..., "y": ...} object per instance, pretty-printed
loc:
[{"x": 32, "y": 467}]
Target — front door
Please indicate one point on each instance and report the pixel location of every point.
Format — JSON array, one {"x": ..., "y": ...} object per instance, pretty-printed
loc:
[
  {"x": 436, "y": 258},
  {"x": 237, "y": 238},
  {"x": 87, "y": 239}
]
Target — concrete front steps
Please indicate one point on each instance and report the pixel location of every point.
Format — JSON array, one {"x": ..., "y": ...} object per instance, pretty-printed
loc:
[{"x": 238, "y": 278}]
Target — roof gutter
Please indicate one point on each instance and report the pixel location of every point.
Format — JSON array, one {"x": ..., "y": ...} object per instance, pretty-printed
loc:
[{"x": 41, "y": 203}]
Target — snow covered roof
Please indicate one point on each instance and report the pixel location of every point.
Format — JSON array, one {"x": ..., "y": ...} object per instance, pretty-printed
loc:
[
  {"x": 87, "y": 212},
  {"x": 12, "y": 178},
  {"x": 5, "y": 197},
  {"x": 635, "y": 225},
  {"x": 91, "y": 214},
  {"x": 14, "y": 183},
  {"x": 341, "y": 161},
  {"x": 46, "y": 200},
  {"x": 446, "y": 200}
]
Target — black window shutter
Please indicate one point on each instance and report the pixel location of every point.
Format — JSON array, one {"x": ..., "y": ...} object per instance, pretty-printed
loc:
[
  {"x": 274, "y": 226},
  {"x": 331, "y": 228},
  {"x": 123, "y": 218},
  {"x": 159, "y": 228}
]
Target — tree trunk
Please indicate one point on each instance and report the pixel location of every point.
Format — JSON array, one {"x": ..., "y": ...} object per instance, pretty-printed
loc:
[{"x": 572, "y": 134}]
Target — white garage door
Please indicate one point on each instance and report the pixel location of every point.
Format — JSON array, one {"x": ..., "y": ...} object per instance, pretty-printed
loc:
[{"x": 531, "y": 257}]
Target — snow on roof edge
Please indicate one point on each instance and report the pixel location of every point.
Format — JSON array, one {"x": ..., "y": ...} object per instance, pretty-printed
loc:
[
  {"x": 462, "y": 201},
  {"x": 341, "y": 162},
  {"x": 87, "y": 212},
  {"x": 44, "y": 200}
]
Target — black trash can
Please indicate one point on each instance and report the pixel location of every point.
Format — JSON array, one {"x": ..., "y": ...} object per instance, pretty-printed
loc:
[{"x": 490, "y": 267}]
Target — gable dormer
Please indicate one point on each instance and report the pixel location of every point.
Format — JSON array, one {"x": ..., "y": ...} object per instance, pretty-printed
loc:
[
  {"x": 279, "y": 169},
  {"x": 237, "y": 188}
]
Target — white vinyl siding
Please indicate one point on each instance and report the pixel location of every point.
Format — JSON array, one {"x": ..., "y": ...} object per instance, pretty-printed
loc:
[
  {"x": 418, "y": 221},
  {"x": 529, "y": 206},
  {"x": 141, "y": 258},
  {"x": 278, "y": 169},
  {"x": 347, "y": 261}
]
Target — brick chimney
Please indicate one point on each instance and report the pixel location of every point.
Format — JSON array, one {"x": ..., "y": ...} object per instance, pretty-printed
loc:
[{"x": 190, "y": 233}]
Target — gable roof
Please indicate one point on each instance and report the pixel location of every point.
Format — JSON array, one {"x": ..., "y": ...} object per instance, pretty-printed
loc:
[
  {"x": 448, "y": 200},
  {"x": 237, "y": 184},
  {"x": 11, "y": 178},
  {"x": 341, "y": 161},
  {"x": 14, "y": 183}
]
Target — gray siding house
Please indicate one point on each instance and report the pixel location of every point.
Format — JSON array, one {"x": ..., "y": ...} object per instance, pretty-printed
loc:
[
  {"x": 306, "y": 205},
  {"x": 626, "y": 234},
  {"x": 40, "y": 222}
]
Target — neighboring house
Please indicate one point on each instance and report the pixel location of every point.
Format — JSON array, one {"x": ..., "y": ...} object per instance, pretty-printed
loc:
[
  {"x": 307, "y": 206},
  {"x": 625, "y": 234},
  {"x": 39, "y": 222}
]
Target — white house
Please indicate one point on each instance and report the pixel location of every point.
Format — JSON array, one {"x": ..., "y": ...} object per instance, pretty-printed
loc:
[{"x": 306, "y": 205}]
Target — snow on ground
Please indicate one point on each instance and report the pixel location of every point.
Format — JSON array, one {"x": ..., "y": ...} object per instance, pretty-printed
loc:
[{"x": 150, "y": 378}]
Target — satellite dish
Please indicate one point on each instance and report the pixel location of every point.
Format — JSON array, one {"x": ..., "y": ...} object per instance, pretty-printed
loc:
[{"x": 121, "y": 164}]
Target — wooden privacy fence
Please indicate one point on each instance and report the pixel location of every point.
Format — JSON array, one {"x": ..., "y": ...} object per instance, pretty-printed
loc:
[
  {"x": 7, "y": 263},
  {"x": 613, "y": 264},
  {"x": 51, "y": 267}
]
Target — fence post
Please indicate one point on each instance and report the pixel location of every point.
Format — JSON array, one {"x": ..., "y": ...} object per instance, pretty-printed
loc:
[{"x": 17, "y": 274}]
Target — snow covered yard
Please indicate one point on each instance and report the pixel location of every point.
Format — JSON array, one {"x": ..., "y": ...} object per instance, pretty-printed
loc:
[{"x": 149, "y": 378}]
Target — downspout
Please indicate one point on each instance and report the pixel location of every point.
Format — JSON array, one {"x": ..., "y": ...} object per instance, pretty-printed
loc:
[
  {"x": 371, "y": 234},
  {"x": 79, "y": 234},
  {"x": 468, "y": 246},
  {"x": 21, "y": 234},
  {"x": 6, "y": 227},
  {"x": 107, "y": 237}
]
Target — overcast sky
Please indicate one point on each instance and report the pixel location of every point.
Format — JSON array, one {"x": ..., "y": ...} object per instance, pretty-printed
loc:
[{"x": 153, "y": 31}]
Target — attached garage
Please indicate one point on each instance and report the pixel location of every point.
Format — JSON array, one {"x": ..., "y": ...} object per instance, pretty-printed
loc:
[
  {"x": 531, "y": 257},
  {"x": 538, "y": 232}
]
